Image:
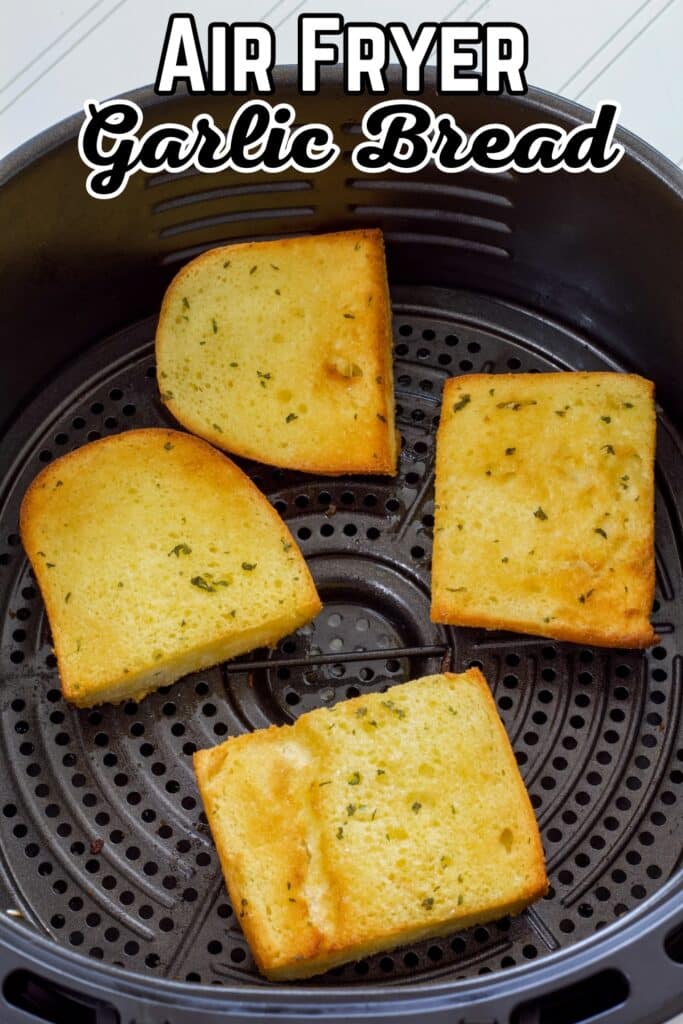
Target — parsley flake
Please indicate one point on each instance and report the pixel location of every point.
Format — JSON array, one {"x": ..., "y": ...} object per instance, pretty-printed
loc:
[
  {"x": 180, "y": 549},
  {"x": 461, "y": 403},
  {"x": 202, "y": 584}
]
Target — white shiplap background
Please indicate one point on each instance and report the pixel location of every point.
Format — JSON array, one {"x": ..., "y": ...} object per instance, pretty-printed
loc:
[{"x": 55, "y": 53}]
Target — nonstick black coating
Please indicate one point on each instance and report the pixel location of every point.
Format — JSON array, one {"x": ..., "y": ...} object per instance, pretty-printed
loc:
[{"x": 104, "y": 847}]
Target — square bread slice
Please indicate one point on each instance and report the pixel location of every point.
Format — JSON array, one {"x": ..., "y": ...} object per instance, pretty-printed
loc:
[
  {"x": 156, "y": 556},
  {"x": 544, "y": 518},
  {"x": 281, "y": 352},
  {"x": 387, "y": 819}
]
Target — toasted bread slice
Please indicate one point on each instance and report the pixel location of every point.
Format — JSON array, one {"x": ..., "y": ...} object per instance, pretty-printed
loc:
[
  {"x": 281, "y": 352},
  {"x": 156, "y": 556},
  {"x": 544, "y": 517},
  {"x": 387, "y": 819}
]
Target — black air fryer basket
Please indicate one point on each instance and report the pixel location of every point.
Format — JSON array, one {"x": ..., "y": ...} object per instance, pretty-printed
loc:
[{"x": 112, "y": 904}]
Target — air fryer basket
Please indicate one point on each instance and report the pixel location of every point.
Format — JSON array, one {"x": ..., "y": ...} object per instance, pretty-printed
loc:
[{"x": 113, "y": 904}]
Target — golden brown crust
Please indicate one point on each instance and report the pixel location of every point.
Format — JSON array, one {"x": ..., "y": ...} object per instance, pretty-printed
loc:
[
  {"x": 587, "y": 599},
  {"x": 297, "y": 875},
  {"x": 373, "y": 452},
  {"x": 97, "y": 681}
]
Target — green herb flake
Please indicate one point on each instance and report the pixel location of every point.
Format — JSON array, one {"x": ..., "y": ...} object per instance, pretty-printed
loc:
[
  {"x": 226, "y": 264},
  {"x": 340, "y": 832},
  {"x": 327, "y": 782},
  {"x": 428, "y": 902},
  {"x": 356, "y": 247},
  {"x": 455, "y": 590},
  {"x": 186, "y": 303},
  {"x": 627, "y": 405},
  {"x": 50, "y": 565},
  {"x": 606, "y": 419},
  {"x": 415, "y": 806},
  {"x": 599, "y": 529},
  {"x": 505, "y": 558},
  {"x": 67, "y": 598},
  {"x": 253, "y": 270},
  {"x": 361, "y": 712},
  {"x": 278, "y": 292},
  {"x": 202, "y": 584},
  {"x": 354, "y": 779},
  {"x": 214, "y": 325},
  {"x": 510, "y": 451},
  {"x": 492, "y": 391},
  {"x": 59, "y": 483},
  {"x": 607, "y": 449},
  {"x": 290, "y": 417},
  {"x": 217, "y": 427},
  {"x": 351, "y": 809},
  {"x": 389, "y": 704},
  {"x": 234, "y": 364},
  {"x": 584, "y": 597},
  {"x": 180, "y": 549},
  {"x": 461, "y": 403},
  {"x": 381, "y": 771},
  {"x": 248, "y": 566},
  {"x": 381, "y": 418},
  {"x": 286, "y": 544},
  {"x": 168, "y": 447},
  {"x": 540, "y": 514}
]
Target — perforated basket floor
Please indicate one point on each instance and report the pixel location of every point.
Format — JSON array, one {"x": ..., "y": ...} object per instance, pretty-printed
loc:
[{"x": 104, "y": 846}]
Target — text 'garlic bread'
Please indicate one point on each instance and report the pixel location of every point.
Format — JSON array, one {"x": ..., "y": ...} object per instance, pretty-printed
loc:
[
  {"x": 544, "y": 518},
  {"x": 281, "y": 352},
  {"x": 387, "y": 819},
  {"x": 156, "y": 556}
]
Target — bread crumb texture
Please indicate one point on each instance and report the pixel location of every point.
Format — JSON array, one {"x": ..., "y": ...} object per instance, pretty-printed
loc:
[
  {"x": 544, "y": 519},
  {"x": 156, "y": 556},
  {"x": 281, "y": 351},
  {"x": 386, "y": 819}
]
